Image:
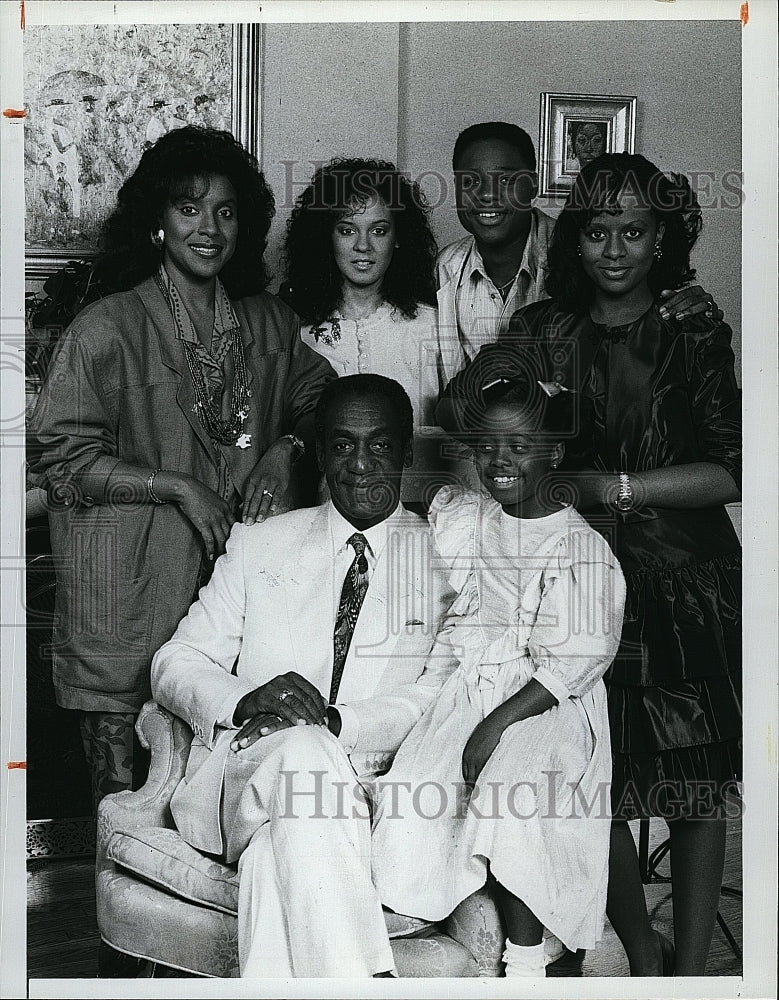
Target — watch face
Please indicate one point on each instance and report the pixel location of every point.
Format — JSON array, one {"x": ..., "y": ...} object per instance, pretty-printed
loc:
[{"x": 625, "y": 503}]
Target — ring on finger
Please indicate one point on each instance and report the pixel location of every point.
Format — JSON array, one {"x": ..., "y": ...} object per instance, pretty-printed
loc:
[
  {"x": 286, "y": 693},
  {"x": 267, "y": 493}
]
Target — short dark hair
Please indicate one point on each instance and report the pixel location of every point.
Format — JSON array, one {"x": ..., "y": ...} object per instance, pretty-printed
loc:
[
  {"x": 314, "y": 281},
  {"x": 178, "y": 165},
  {"x": 366, "y": 386},
  {"x": 503, "y": 132},
  {"x": 595, "y": 190}
]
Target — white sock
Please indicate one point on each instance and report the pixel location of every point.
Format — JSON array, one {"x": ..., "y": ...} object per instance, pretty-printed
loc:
[{"x": 524, "y": 960}]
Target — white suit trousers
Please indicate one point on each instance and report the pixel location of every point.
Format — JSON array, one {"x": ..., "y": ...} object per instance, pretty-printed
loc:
[{"x": 307, "y": 905}]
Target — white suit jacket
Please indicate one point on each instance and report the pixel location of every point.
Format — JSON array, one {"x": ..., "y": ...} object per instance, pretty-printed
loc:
[{"x": 266, "y": 611}]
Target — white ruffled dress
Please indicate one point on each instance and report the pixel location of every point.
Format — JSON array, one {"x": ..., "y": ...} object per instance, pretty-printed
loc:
[{"x": 539, "y": 598}]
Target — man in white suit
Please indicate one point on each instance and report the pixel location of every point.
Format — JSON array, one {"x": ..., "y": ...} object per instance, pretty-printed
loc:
[{"x": 299, "y": 685}]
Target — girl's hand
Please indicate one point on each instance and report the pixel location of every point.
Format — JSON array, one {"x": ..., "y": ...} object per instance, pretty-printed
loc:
[
  {"x": 267, "y": 486},
  {"x": 681, "y": 302},
  {"x": 207, "y": 511},
  {"x": 480, "y": 747}
]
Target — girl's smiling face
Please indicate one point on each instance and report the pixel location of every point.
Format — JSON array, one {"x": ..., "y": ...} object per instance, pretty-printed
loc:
[
  {"x": 363, "y": 243},
  {"x": 512, "y": 457}
]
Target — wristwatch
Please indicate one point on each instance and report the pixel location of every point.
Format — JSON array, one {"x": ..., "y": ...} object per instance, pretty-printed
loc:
[
  {"x": 625, "y": 499},
  {"x": 299, "y": 444}
]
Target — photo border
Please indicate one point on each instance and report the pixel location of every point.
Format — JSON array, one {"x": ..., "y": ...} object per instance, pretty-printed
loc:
[{"x": 759, "y": 123}]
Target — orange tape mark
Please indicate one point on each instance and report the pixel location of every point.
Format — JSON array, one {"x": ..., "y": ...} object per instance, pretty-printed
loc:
[
  {"x": 21, "y": 15},
  {"x": 20, "y": 764},
  {"x": 744, "y": 14},
  {"x": 13, "y": 113}
]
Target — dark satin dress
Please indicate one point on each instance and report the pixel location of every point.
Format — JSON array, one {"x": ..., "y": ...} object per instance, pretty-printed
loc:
[{"x": 654, "y": 394}]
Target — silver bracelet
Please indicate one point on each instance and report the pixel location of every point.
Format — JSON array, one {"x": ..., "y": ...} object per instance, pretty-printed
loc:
[{"x": 150, "y": 488}]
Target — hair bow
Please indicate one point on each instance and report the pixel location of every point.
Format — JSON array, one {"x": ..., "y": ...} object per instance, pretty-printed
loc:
[{"x": 553, "y": 388}]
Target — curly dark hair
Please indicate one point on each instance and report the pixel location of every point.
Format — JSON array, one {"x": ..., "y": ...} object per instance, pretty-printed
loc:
[
  {"x": 179, "y": 165},
  {"x": 596, "y": 189},
  {"x": 314, "y": 280}
]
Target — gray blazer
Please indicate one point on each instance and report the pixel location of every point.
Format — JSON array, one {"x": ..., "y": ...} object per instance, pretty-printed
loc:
[{"x": 118, "y": 389}]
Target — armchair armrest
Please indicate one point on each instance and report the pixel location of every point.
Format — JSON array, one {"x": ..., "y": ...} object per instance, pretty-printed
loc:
[
  {"x": 168, "y": 739},
  {"x": 476, "y": 924}
]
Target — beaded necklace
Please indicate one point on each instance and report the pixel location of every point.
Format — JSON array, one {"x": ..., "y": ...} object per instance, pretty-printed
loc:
[{"x": 224, "y": 431}]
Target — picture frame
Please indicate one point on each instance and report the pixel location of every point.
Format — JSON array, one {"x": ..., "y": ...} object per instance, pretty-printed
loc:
[
  {"x": 595, "y": 123},
  {"x": 69, "y": 197}
]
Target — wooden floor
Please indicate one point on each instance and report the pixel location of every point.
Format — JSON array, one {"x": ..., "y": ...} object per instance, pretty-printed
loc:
[{"x": 62, "y": 938}]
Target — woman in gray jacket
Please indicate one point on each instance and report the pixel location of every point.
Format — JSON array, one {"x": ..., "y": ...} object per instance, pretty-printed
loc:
[{"x": 171, "y": 408}]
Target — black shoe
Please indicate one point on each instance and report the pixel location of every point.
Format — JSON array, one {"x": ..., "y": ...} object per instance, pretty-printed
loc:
[{"x": 568, "y": 965}]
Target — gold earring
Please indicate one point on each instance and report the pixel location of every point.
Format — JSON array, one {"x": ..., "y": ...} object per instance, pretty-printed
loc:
[
  {"x": 658, "y": 250},
  {"x": 158, "y": 238}
]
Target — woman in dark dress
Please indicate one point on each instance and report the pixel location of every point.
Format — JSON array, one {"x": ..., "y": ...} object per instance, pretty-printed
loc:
[{"x": 662, "y": 428}]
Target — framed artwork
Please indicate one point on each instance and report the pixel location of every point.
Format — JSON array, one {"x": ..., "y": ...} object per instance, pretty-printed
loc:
[
  {"x": 97, "y": 95},
  {"x": 574, "y": 129}
]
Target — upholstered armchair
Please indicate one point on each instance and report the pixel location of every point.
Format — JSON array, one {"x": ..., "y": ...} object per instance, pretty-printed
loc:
[{"x": 160, "y": 900}]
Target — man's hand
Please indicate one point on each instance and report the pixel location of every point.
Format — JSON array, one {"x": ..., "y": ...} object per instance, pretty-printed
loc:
[
  {"x": 289, "y": 696},
  {"x": 681, "y": 302},
  {"x": 256, "y": 728}
]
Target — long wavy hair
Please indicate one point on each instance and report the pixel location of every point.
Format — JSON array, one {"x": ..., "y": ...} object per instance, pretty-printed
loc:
[
  {"x": 180, "y": 165},
  {"x": 597, "y": 189},
  {"x": 314, "y": 281}
]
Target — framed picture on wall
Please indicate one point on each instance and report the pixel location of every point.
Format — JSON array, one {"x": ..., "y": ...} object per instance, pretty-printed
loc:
[
  {"x": 97, "y": 95},
  {"x": 574, "y": 129}
]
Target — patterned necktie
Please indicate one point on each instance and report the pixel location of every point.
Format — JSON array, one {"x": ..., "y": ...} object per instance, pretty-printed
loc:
[{"x": 352, "y": 595}]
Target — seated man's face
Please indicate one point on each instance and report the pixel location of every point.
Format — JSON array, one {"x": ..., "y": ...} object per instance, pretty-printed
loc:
[{"x": 362, "y": 456}]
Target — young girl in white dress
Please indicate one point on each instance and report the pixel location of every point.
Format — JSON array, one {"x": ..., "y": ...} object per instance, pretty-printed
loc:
[
  {"x": 507, "y": 774},
  {"x": 360, "y": 263}
]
